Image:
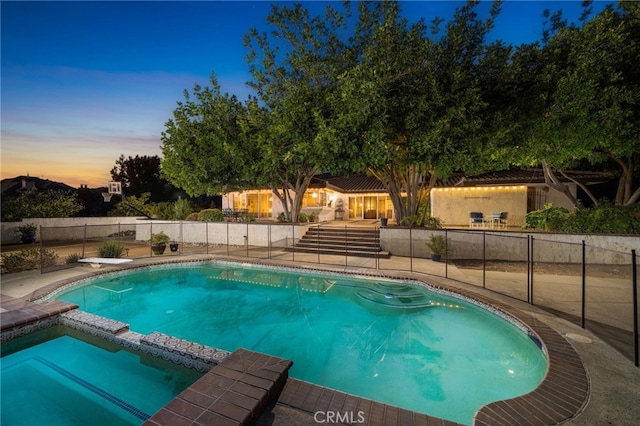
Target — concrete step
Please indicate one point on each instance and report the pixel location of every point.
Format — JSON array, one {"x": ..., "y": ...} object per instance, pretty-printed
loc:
[
  {"x": 340, "y": 252},
  {"x": 310, "y": 241},
  {"x": 342, "y": 242}
]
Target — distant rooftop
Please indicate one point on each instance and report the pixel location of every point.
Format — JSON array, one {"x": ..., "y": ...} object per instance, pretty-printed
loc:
[{"x": 16, "y": 185}]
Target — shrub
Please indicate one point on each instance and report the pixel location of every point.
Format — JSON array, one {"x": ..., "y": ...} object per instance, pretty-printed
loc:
[
  {"x": 110, "y": 249},
  {"x": 34, "y": 203},
  {"x": 429, "y": 221},
  {"x": 159, "y": 238},
  {"x": 432, "y": 222},
  {"x": 181, "y": 209},
  {"x": 303, "y": 217},
  {"x": 28, "y": 259},
  {"x": 27, "y": 229},
  {"x": 549, "y": 218},
  {"x": 211, "y": 215},
  {"x": 602, "y": 219},
  {"x": 72, "y": 258},
  {"x": 193, "y": 217},
  {"x": 135, "y": 206},
  {"x": 248, "y": 219},
  {"x": 282, "y": 218},
  {"x": 162, "y": 211},
  {"x": 438, "y": 245}
]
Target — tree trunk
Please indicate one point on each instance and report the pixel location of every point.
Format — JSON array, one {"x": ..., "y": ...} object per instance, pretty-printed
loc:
[
  {"x": 283, "y": 200},
  {"x": 293, "y": 205},
  {"x": 553, "y": 182},
  {"x": 583, "y": 186},
  {"x": 408, "y": 189}
]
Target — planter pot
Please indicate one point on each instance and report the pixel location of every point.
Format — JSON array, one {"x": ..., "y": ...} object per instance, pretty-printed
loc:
[
  {"x": 436, "y": 257},
  {"x": 384, "y": 221},
  {"x": 173, "y": 247},
  {"x": 28, "y": 239},
  {"x": 158, "y": 248}
]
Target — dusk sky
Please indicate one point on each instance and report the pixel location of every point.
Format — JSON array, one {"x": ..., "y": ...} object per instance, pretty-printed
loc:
[{"x": 84, "y": 82}]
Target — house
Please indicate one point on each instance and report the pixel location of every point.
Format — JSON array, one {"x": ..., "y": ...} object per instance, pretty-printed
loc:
[
  {"x": 330, "y": 198},
  {"x": 12, "y": 187},
  {"x": 517, "y": 192}
]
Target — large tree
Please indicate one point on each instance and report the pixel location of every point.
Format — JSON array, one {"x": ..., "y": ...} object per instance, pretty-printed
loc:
[
  {"x": 295, "y": 68},
  {"x": 140, "y": 174},
  {"x": 413, "y": 107},
  {"x": 205, "y": 148},
  {"x": 588, "y": 99}
]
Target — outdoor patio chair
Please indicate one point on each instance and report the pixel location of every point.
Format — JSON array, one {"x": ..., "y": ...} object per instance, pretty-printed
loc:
[
  {"x": 503, "y": 219},
  {"x": 494, "y": 219},
  {"x": 476, "y": 220}
]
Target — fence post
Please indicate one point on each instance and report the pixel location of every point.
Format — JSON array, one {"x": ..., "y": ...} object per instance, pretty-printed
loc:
[
  {"x": 634, "y": 283},
  {"x": 181, "y": 238},
  {"x": 246, "y": 240},
  {"x": 346, "y": 249},
  {"x": 584, "y": 282},
  {"x": 378, "y": 254},
  {"x": 151, "y": 239},
  {"x": 528, "y": 268},
  {"x": 532, "y": 262},
  {"x": 41, "y": 251},
  {"x": 446, "y": 253},
  {"x": 293, "y": 241},
  {"x": 484, "y": 258},
  {"x": 318, "y": 240},
  {"x": 410, "y": 249},
  {"x": 269, "y": 241},
  {"x": 84, "y": 239}
]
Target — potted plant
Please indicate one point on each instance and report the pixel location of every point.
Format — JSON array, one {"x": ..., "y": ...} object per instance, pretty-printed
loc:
[
  {"x": 159, "y": 242},
  {"x": 438, "y": 246},
  {"x": 28, "y": 233},
  {"x": 173, "y": 246}
]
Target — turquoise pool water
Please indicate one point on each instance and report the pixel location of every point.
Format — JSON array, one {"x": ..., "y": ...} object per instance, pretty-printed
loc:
[
  {"x": 393, "y": 342},
  {"x": 66, "y": 381}
]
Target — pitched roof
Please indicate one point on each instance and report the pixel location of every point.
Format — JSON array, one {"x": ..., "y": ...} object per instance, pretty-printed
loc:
[
  {"x": 521, "y": 177},
  {"x": 362, "y": 183},
  {"x": 355, "y": 184}
]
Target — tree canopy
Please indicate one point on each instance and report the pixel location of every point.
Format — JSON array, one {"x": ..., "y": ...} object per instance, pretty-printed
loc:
[
  {"x": 411, "y": 102},
  {"x": 295, "y": 70},
  {"x": 413, "y": 107},
  {"x": 204, "y": 145},
  {"x": 140, "y": 174},
  {"x": 585, "y": 105},
  {"x": 34, "y": 203}
]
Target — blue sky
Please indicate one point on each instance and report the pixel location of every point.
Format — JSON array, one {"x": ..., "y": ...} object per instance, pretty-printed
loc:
[{"x": 83, "y": 82}]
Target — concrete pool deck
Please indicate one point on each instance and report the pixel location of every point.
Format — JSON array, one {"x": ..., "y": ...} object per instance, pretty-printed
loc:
[{"x": 614, "y": 383}]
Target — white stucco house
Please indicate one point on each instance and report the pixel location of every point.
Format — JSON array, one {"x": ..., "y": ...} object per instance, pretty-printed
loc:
[{"x": 364, "y": 197}]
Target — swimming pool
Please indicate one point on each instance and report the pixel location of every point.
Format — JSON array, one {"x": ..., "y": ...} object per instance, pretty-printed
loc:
[
  {"x": 55, "y": 379},
  {"x": 391, "y": 341}
]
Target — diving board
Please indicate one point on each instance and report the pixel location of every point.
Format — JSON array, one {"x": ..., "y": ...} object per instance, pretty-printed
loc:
[{"x": 96, "y": 262}]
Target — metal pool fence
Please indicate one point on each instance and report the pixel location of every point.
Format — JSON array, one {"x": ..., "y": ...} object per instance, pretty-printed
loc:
[{"x": 593, "y": 287}]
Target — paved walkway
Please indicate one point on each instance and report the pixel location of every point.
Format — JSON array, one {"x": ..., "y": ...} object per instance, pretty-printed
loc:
[{"x": 614, "y": 381}]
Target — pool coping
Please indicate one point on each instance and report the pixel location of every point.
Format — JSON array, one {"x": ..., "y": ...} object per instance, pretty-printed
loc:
[{"x": 560, "y": 396}]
